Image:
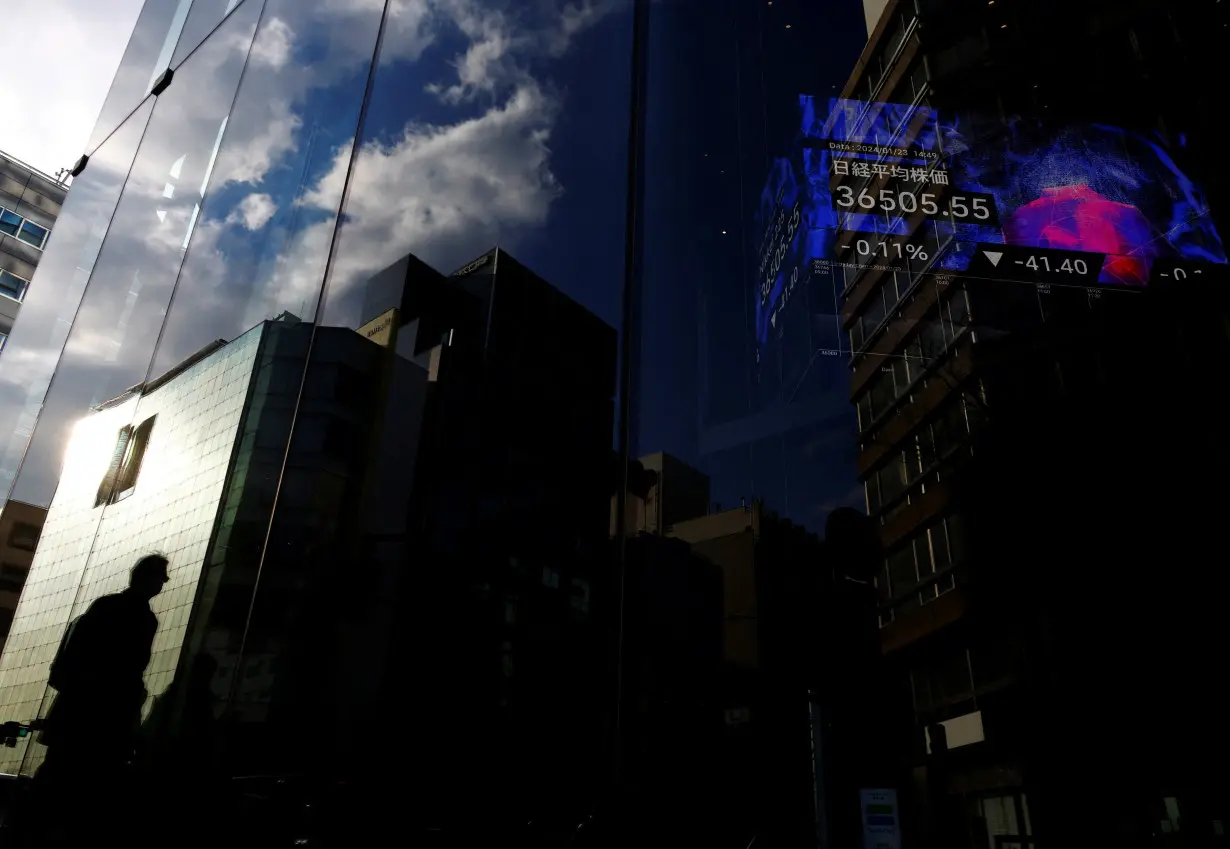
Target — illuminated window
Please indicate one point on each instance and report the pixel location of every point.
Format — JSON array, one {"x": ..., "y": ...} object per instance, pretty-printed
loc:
[{"x": 121, "y": 477}]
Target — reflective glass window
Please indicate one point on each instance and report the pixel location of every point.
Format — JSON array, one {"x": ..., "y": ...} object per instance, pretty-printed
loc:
[
  {"x": 148, "y": 54},
  {"x": 113, "y": 336},
  {"x": 263, "y": 237},
  {"x": 32, "y": 234},
  {"x": 202, "y": 18},
  {"x": 483, "y": 223},
  {"x": 49, "y": 308},
  {"x": 10, "y": 222},
  {"x": 12, "y": 285}
]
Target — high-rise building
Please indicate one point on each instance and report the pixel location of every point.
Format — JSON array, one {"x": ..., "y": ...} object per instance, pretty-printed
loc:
[
  {"x": 390, "y": 531},
  {"x": 30, "y": 201},
  {"x": 980, "y": 391},
  {"x": 794, "y": 683},
  {"x": 20, "y": 527},
  {"x": 401, "y": 454}
]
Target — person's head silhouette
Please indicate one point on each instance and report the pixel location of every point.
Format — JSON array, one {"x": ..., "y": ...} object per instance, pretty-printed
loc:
[{"x": 149, "y": 576}]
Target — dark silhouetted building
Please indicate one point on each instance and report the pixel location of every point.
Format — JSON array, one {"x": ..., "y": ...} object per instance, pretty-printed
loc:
[{"x": 1018, "y": 447}]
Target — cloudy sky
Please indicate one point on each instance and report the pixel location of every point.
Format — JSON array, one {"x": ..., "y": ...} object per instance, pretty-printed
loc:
[{"x": 59, "y": 58}]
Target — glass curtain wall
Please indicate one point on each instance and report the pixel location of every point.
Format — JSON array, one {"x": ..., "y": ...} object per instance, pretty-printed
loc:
[
  {"x": 759, "y": 407},
  {"x": 356, "y": 260}
]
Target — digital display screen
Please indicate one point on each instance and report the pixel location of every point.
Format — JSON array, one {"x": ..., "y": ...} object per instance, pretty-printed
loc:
[{"x": 898, "y": 186}]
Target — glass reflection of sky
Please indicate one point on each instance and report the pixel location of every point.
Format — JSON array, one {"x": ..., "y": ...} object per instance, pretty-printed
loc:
[{"x": 480, "y": 133}]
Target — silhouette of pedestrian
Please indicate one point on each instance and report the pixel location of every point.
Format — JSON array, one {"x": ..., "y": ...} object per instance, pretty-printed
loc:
[
  {"x": 98, "y": 676},
  {"x": 181, "y": 767},
  {"x": 92, "y": 728}
]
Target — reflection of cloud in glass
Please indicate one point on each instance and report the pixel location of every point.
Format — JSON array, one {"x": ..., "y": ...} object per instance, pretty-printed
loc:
[
  {"x": 439, "y": 190},
  {"x": 273, "y": 45},
  {"x": 442, "y": 187},
  {"x": 254, "y": 211}
]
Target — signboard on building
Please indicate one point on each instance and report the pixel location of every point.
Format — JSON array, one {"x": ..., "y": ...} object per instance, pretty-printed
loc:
[
  {"x": 382, "y": 329},
  {"x": 874, "y": 188},
  {"x": 881, "y": 824}
]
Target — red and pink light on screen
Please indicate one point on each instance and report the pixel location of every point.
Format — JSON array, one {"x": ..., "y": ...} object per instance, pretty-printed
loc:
[{"x": 1076, "y": 218}]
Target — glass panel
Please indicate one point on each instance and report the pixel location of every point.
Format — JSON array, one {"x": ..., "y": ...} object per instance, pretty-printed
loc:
[
  {"x": 902, "y": 571},
  {"x": 204, "y": 16},
  {"x": 32, "y": 234},
  {"x": 114, "y": 333},
  {"x": 405, "y": 424},
  {"x": 10, "y": 222},
  {"x": 12, "y": 285},
  {"x": 262, "y": 239},
  {"x": 148, "y": 54},
  {"x": 49, "y": 308}
]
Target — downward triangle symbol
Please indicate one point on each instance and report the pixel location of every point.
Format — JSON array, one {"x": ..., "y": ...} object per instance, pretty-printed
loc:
[{"x": 995, "y": 257}]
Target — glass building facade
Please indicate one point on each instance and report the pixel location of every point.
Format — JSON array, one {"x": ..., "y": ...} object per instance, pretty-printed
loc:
[{"x": 516, "y": 398}]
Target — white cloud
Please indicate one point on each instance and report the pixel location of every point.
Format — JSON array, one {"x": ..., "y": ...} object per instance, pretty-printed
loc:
[
  {"x": 408, "y": 30},
  {"x": 273, "y": 45},
  {"x": 253, "y": 212},
  {"x": 436, "y": 191},
  {"x": 500, "y": 47},
  {"x": 59, "y": 58},
  {"x": 483, "y": 67},
  {"x": 576, "y": 18},
  {"x": 248, "y": 160}
]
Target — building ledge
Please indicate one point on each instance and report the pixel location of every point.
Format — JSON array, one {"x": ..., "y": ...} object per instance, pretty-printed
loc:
[{"x": 928, "y": 619}]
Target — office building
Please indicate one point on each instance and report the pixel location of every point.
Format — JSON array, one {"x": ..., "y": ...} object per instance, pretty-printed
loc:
[
  {"x": 30, "y": 201},
  {"x": 20, "y": 527},
  {"x": 973, "y": 394},
  {"x": 795, "y": 677},
  {"x": 402, "y": 453},
  {"x": 177, "y": 465}
]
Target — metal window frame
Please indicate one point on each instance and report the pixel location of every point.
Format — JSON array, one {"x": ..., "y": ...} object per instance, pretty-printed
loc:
[
  {"x": 21, "y": 226},
  {"x": 24, "y": 289}
]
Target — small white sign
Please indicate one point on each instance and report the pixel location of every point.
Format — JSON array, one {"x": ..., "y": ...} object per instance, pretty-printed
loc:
[{"x": 881, "y": 824}]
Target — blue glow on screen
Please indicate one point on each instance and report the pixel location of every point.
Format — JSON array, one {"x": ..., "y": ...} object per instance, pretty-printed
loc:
[{"x": 1089, "y": 187}]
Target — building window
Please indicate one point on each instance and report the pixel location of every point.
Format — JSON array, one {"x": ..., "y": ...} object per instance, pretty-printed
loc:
[
  {"x": 13, "y": 224},
  {"x": 24, "y": 536},
  {"x": 12, "y": 577},
  {"x": 33, "y": 234},
  {"x": 580, "y": 595},
  {"x": 12, "y": 285},
  {"x": 4, "y": 338},
  {"x": 10, "y": 222},
  {"x": 121, "y": 477}
]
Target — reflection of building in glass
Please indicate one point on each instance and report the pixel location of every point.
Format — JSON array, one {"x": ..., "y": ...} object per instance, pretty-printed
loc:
[
  {"x": 20, "y": 527},
  {"x": 410, "y": 524},
  {"x": 29, "y": 204},
  {"x": 996, "y": 425},
  {"x": 181, "y": 479},
  {"x": 791, "y": 635},
  {"x": 455, "y": 448}
]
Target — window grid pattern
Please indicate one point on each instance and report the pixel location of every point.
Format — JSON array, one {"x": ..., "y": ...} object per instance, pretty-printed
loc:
[
  {"x": 921, "y": 569},
  {"x": 12, "y": 224},
  {"x": 87, "y": 551}
]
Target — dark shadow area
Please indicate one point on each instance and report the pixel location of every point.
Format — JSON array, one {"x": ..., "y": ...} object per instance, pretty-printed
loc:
[{"x": 92, "y": 729}]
